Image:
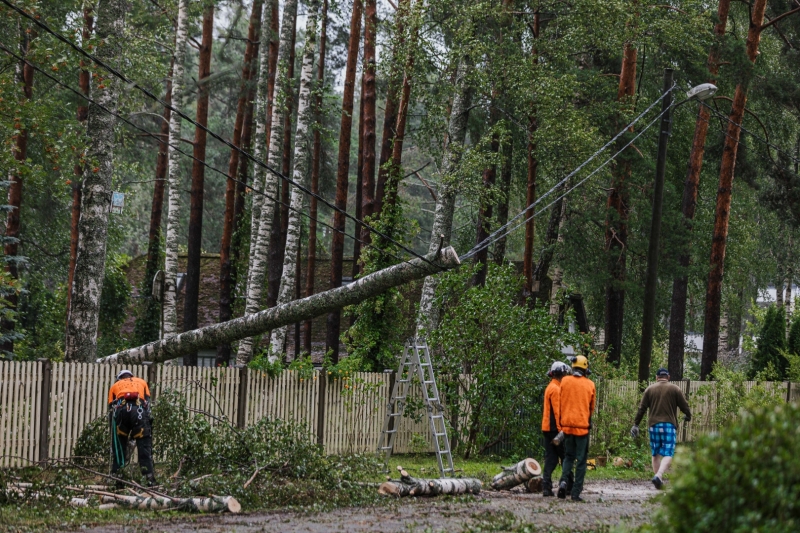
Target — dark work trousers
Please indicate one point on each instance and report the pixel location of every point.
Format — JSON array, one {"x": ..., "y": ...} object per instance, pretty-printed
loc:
[
  {"x": 552, "y": 456},
  {"x": 144, "y": 445},
  {"x": 576, "y": 450}
]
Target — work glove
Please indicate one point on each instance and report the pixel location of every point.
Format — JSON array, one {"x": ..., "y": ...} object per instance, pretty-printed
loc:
[
  {"x": 635, "y": 432},
  {"x": 687, "y": 418},
  {"x": 558, "y": 439}
]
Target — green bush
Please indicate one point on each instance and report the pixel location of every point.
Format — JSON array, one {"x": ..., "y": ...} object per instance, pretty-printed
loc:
[
  {"x": 771, "y": 341},
  {"x": 744, "y": 478}
]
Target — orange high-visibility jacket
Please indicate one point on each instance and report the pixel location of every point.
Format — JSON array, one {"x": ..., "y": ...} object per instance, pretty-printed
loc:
[
  {"x": 131, "y": 384},
  {"x": 552, "y": 406},
  {"x": 577, "y": 405}
]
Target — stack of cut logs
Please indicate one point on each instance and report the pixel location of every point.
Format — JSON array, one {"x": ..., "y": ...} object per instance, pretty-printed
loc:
[{"x": 527, "y": 472}]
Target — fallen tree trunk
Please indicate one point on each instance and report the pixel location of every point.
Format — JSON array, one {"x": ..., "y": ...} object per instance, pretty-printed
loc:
[
  {"x": 213, "y": 504},
  {"x": 290, "y": 313},
  {"x": 515, "y": 475},
  {"x": 411, "y": 486}
]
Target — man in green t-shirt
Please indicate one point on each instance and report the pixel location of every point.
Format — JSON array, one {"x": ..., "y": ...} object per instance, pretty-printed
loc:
[{"x": 662, "y": 399}]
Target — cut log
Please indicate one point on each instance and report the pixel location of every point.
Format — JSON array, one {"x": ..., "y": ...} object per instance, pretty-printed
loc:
[
  {"x": 515, "y": 475},
  {"x": 213, "y": 504},
  {"x": 411, "y": 486},
  {"x": 534, "y": 485}
]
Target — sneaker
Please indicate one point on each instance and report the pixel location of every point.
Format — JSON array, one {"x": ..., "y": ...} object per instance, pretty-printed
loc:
[
  {"x": 576, "y": 499},
  {"x": 562, "y": 490},
  {"x": 657, "y": 483}
]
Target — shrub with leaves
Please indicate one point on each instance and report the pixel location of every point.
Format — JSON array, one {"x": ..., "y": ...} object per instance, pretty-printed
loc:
[
  {"x": 744, "y": 478},
  {"x": 771, "y": 341},
  {"x": 506, "y": 349}
]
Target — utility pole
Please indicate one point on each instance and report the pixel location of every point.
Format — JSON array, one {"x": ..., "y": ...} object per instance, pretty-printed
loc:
[{"x": 651, "y": 282}]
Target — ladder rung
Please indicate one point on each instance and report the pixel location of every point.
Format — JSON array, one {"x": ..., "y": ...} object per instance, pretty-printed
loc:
[
  {"x": 429, "y": 382},
  {"x": 390, "y": 431},
  {"x": 385, "y": 448},
  {"x": 402, "y": 381},
  {"x": 438, "y": 434},
  {"x": 395, "y": 414}
]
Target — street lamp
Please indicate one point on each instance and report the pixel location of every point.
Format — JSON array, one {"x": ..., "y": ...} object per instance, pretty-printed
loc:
[{"x": 701, "y": 92}]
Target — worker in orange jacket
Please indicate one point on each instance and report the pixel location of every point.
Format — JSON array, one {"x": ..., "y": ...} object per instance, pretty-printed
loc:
[
  {"x": 129, "y": 403},
  {"x": 575, "y": 419},
  {"x": 553, "y": 452}
]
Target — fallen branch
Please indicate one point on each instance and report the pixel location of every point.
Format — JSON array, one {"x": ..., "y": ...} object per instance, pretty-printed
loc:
[{"x": 515, "y": 475}]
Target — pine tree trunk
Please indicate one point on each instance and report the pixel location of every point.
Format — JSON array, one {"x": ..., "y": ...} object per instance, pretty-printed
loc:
[
  {"x": 20, "y": 140},
  {"x": 393, "y": 93},
  {"x": 313, "y": 306},
  {"x": 486, "y": 207},
  {"x": 677, "y": 319},
  {"x": 428, "y": 317},
  {"x": 370, "y": 98},
  {"x": 81, "y": 338},
  {"x": 316, "y": 156},
  {"x": 502, "y": 206},
  {"x": 302, "y": 147},
  {"x": 225, "y": 266},
  {"x": 333, "y": 322},
  {"x": 616, "y": 238},
  {"x": 723, "y": 208},
  {"x": 530, "y": 188},
  {"x": 271, "y": 181},
  {"x": 192, "y": 282},
  {"x": 359, "y": 166},
  {"x": 82, "y": 115},
  {"x": 170, "y": 310}
]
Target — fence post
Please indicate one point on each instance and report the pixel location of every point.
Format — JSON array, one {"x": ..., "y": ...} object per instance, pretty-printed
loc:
[
  {"x": 321, "y": 402},
  {"x": 241, "y": 404},
  {"x": 788, "y": 391},
  {"x": 44, "y": 410},
  {"x": 150, "y": 377}
]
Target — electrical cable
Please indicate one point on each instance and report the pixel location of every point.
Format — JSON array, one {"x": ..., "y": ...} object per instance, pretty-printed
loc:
[
  {"x": 177, "y": 149},
  {"x": 500, "y": 233},
  {"x": 213, "y": 134}
]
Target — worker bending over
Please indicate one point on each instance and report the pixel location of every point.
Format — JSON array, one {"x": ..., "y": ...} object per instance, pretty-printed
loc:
[
  {"x": 129, "y": 402},
  {"x": 662, "y": 400},
  {"x": 577, "y": 406},
  {"x": 553, "y": 451}
]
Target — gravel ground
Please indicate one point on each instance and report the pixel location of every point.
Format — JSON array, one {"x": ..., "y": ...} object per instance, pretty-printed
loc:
[{"x": 607, "y": 503}]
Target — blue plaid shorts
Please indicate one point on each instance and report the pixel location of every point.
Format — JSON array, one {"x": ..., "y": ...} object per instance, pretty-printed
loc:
[{"x": 662, "y": 439}]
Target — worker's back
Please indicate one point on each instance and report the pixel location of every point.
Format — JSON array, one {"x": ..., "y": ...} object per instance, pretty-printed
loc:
[{"x": 577, "y": 404}]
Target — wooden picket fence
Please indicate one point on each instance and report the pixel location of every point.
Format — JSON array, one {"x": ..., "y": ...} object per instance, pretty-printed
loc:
[{"x": 45, "y": 406}]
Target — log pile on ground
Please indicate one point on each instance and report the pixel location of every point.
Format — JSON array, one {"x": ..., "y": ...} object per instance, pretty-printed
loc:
[
  {"x": 411, "y": 486},
  {"x": 517, "y": 474}
]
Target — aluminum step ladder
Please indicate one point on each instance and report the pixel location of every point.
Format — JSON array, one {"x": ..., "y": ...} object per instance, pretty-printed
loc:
[{"x": 416, "y": 361}]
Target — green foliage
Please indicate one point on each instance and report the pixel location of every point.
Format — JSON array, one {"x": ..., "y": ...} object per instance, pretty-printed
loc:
[
  {"x": 771, "y": 341},
  {"x": 744, "y": 478},
  {"x": 732, "y": 397},
  {"x": 43, "y": 313},
  {"x": 793, "y": 342},
  {"x": 261, "y": 362},
  {"x": 286, "y": 465},
  {"x": 506, "y": 348},
  {"x": 113, "y": 305}
]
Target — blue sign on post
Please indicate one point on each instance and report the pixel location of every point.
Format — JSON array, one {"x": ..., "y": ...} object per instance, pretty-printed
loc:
[{"x": 117, "y": 202}]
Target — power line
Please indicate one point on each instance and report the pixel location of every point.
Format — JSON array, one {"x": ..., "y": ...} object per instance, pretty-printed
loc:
[
  {"x": 177, "y": 149},
  {"x": 500, "y": 232},
  {"x": 214, "y": 135}
]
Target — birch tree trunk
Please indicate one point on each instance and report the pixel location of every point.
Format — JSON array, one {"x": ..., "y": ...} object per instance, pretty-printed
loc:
[
  {"x": 517, "y": 474},
  {"x": 302, "y": 153},
  {"x": 313, "y": 306},
  {"x": 428, "y": 317},
  {"x": 81, "y": 338},
  {"x": 225, "y": 263},
  {"x": 532, "y": 168},
  {"x": 170, "y": 310},
  {"x": 270, "y": 180}
]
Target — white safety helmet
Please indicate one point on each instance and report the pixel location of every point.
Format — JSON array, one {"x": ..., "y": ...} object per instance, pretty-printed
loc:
[
  {"x": 558, "y": 369},
  {"x": 123, "y": 372}
]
